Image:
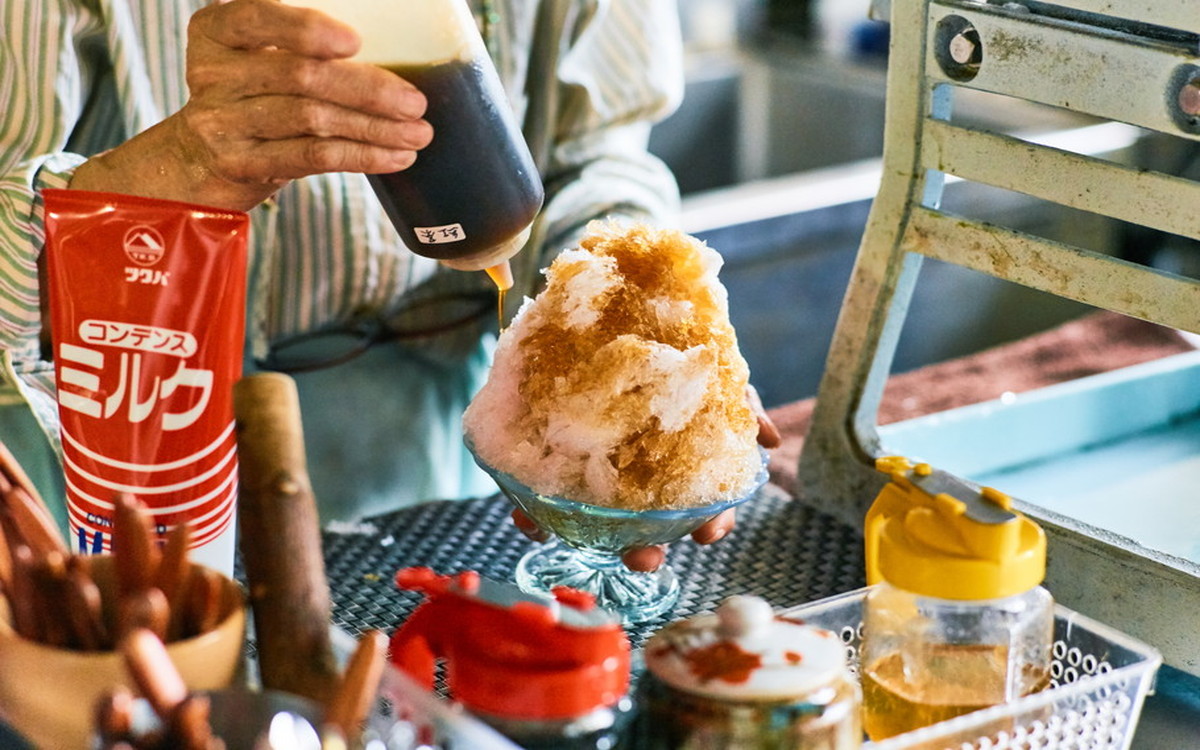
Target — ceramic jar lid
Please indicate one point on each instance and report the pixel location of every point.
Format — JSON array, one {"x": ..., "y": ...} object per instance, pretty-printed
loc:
[{"x": 745, "y": 652}]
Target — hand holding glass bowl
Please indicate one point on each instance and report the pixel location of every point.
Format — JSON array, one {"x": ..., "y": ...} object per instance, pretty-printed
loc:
[{"x": 590, "y": 539}]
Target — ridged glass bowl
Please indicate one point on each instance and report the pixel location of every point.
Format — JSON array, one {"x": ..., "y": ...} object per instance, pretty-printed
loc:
[{"x": 585, "y": 553}]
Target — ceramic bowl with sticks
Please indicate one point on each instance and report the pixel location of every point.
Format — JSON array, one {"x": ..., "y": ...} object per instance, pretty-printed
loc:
[
  {"x": 65, "y": 616},
  {"x": 47, "y": 692}
]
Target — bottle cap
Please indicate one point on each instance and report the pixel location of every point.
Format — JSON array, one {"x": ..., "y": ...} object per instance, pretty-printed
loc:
[
  {"x": 933, "y": 534},
  {"x": 510, "y": 654},
  {"x": 744, "y": 652}
]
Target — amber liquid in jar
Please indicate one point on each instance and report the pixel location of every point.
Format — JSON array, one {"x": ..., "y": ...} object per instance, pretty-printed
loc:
[{"x": 955, "y": 680}]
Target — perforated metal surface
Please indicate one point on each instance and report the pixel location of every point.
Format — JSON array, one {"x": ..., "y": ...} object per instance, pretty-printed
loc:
[{"x": 785, "y": 552}]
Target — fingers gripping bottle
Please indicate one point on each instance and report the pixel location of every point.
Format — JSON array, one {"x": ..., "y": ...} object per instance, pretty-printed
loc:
[
  {"x": 956, "y": 619},
  {"x": 472, "y": 195}
]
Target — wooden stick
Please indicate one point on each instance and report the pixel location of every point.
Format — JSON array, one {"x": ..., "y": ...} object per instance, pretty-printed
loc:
[
  {"x": 8, "y": 529},
  {"x": 23, "y": 595},
  {"x": 153, "y": 671},
  {"x": 188, "y": 726},
  {"x": 359, "y": 685},
  {"x": 172, "y": 575},
  {"x": 33, "y": 522},
  {"x": 30, "y": 513},
  {"x": 142, "y": 610},
  {"x": 281, "y": 540},
  {"x": 114, "y": 716},
  {"x": 83, "y": 605},
  {"x": 186, "y": 716},
  {"x": 203, "y": 603},
  {"x": 16, "y": 476},
  {"x": 135, "y": 552},
  {"x": 6, "y": 561},
  {"x": 50, "y": 580}
]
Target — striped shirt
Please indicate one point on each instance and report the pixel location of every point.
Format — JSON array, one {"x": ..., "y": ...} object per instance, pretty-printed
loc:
[{"x": 586, "y": 78}]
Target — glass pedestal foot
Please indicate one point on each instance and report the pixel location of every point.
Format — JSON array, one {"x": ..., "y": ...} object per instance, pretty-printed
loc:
[{"x": 634, "y": 597}]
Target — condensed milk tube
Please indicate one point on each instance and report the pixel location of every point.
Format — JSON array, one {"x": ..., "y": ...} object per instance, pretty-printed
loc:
[
  {"x": 471, "y": 196},
  {"x": 147, "y": 309}
]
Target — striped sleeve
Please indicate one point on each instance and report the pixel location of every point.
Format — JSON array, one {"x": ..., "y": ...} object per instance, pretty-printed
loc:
[
  {"x": 42, "y": 78},
  {"x": 22, "y": 235},
  {"x": 623, "y": 72}
]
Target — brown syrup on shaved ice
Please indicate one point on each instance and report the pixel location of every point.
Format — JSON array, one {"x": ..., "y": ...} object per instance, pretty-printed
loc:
[{"x": 621, "y": 384}]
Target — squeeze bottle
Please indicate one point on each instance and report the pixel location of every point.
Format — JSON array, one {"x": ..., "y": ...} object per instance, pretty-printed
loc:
[{"x": 470, "y": 199}]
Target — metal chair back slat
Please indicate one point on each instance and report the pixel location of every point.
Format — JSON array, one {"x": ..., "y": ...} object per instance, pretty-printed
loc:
[{"x": 1077, "y": 55}]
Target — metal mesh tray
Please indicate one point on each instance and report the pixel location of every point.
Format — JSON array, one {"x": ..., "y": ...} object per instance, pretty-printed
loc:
[{"x": 1099, "y": 680}]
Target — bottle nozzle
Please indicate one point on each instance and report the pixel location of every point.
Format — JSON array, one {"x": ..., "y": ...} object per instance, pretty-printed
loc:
[
  {"x": 488, "y": 258},
  {"x": 502, "y": 275}
]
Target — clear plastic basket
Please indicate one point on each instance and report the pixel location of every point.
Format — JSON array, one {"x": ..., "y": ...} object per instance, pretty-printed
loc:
[{"x": 1099, "y": 680}]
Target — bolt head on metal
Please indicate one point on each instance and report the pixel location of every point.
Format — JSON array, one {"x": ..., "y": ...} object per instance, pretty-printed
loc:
[
  {"x": 1189, "y": 98},
  {"x": 962, "y": 49}
]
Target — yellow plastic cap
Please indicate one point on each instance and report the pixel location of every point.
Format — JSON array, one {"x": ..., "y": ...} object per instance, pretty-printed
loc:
[{"x": 930, "y": 544}]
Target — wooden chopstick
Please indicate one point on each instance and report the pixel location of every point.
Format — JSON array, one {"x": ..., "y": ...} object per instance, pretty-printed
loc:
[
  {"x": 172, "y": 577},
  {"x": 114, "y": 718},
  {"x": 145, "y": 609},
  {"x": 84, "y": 607},
  {"x": 351, "y": 702},
  {"x": 22, "y": 596},
  {"x": 203, "y": 602},
  {"x": 33, "y": 515},
  {"x": 6, "y": 562},
  {"x": 32, "y": 522},
  {"x": 49, "y": 577},
  {"x": 135, "y": 550},
  {"x": 156, "y": 676}
]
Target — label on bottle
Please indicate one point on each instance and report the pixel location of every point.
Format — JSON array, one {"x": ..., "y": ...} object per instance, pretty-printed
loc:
[{"x": 440, "y": 235}]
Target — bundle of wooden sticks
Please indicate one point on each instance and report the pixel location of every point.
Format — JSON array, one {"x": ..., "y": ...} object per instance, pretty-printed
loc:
[
  {"x": 185, "y": 717},
  {"x": 144, "y": 595},
  {"x": 62, "y": 600}
]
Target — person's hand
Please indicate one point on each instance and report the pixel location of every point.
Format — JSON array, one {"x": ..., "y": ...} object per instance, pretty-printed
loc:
[
  {"x": 768, "y": 433},
  {"x": 272, "y": 98},
  {"x": 649, "y": 559}
]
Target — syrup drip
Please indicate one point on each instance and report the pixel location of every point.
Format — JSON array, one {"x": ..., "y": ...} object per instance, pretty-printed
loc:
[{"x": 502, "y": 276}]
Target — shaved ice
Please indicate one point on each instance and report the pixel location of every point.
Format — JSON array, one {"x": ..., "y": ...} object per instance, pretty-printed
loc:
[{"x": 621, "y": 383}]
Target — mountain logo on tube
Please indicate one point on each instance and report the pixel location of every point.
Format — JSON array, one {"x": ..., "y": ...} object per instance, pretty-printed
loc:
[{"x": 144, "y": 245}]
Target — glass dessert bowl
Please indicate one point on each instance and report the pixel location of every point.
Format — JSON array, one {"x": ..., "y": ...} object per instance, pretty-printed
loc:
[{"x": 585, "y": 553}]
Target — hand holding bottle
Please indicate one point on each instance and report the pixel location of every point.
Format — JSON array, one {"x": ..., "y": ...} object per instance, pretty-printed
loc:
[{"x": 273, "y": 96}]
